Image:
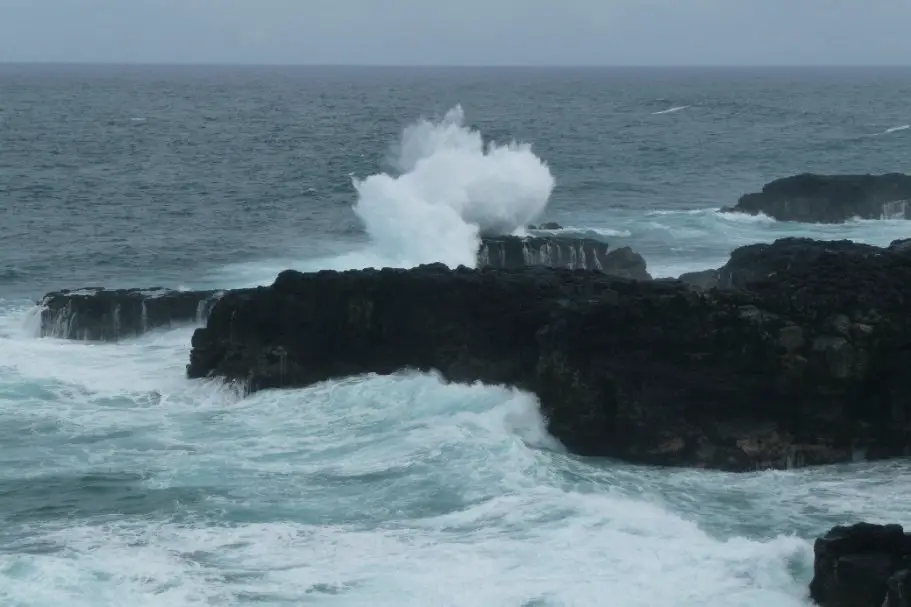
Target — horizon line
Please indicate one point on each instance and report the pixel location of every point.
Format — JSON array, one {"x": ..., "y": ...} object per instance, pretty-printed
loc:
[{"x": 463, "y": 66}]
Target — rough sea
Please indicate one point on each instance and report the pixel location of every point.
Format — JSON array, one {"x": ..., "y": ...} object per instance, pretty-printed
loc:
[{"x": 122, "y": 483}]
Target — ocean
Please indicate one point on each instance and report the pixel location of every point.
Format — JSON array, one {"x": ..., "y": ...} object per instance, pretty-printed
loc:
[{"x": 124, "y": 483}]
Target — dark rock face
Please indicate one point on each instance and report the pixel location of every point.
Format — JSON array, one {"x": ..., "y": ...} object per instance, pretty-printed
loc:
[
  {"x": 807, "y": 367},
  {"x": 511, "y": 252},
  {"x": 763, "y": 262},
  {"x": 863, "y": 565},
  {"x": 704, "y": 279},
  {"x": 108, "y": 315},
  {"x": 99, "y": 314},
  {"x": 831, "y": 198}
]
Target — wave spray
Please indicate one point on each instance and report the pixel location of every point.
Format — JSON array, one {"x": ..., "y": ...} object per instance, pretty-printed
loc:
[{"x": 450, "y": 189}]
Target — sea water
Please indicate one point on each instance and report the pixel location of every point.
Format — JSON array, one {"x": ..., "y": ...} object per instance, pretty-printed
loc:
[{"x": 124, "y": 483}]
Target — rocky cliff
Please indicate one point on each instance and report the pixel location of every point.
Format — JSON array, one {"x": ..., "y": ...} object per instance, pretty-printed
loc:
[
  {"x": 807, "y": 367},
  {"x": 831, "y": 198}
]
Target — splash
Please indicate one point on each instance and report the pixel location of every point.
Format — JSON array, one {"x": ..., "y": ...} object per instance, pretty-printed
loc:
[{"x": 451, "y": 189}]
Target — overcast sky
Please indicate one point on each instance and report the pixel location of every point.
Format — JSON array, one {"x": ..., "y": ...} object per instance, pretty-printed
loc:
[{"x": 464, "y": 32}]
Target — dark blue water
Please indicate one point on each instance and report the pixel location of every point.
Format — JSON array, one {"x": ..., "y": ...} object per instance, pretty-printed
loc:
[
  {"x": 121, "y": 482},
  {"x": 125, "y": 174}
]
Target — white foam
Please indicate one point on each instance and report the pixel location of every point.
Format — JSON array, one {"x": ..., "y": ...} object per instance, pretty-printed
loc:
[
  {"x": 896, "y": 129},
  {"x": 398, "y": 490},
  {"x": 672, "y": 110},
  {"x": 452, "y": 187},
  {"x": 583, "y": 231},
  {"x": 417, "y": 493}
]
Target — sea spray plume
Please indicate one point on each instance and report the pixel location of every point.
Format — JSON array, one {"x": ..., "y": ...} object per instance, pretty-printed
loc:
[{"x": 450, "y": 190}]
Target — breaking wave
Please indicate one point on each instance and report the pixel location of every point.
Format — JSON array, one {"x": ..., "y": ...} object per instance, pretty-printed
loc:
[{"x": 451, "y": 189}]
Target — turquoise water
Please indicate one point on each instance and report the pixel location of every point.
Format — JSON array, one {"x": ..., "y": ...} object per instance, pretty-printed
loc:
[{"x": 124, "y": 483}]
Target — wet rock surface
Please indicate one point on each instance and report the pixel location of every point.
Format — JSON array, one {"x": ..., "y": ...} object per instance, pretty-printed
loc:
[
  {"x": 864, "y": 565},
  {"x": 513, "y": 252},
  {"x": 98, "y": 314}
]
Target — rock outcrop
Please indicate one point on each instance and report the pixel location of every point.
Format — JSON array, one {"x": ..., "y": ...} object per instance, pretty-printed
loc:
[
  {"x": 806, "y": 367},
  {"x": 511, "y": 252},
  {"x": 831, "y": 198},
  {"x": 863, "y": 565},
  {"x": 109, "y": 315},
  {"x": 703, "y": 279},
  {"x": 98, "y": 314},
  {"x": 762, "y": 262}
]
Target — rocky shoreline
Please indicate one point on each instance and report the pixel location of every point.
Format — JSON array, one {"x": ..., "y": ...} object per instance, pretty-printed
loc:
[
  {"x": 801, "y": 366},
  {"x": 98, "y": 314},
  {"x": 792, "y": 354}
]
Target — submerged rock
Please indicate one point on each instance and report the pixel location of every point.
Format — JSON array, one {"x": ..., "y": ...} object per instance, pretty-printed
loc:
[
  {"x": 511, "y": 252},
  {"x": 863, "y": 565},
  {"x": 831, "y": 198},
  {"x": 807, "y": 367},
  {"x": 109, "y": 315}
]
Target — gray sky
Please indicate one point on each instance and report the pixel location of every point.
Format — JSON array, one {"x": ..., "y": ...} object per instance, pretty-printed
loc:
[{"x": 465, "y": 32}]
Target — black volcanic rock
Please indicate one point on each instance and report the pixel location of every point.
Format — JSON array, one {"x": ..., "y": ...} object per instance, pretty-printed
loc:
[
  {"x": 761, "y": 262},
  {"x": 99, "y": 314},
  {"x": 512, "y": 252},
  {"x": 703, "y": 279},
  {"x": 863, "y": 565},
  {"x": 831, "y": 198},
  {"x": 109, "y": 315},
  {"x": 807, "y": 367}
]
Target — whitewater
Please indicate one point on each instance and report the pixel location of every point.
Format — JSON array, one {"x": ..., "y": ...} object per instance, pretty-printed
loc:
[{"x": 124, "y": 483}]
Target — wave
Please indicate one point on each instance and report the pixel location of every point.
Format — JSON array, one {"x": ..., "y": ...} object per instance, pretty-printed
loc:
[
  {"x": 889, "y": 131},
  {"x": 355, "y": 492},
  {"x": 672, "y": 110},
  {"x": 451, "y": 188},
  {"x": 588, "y": 231}
]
